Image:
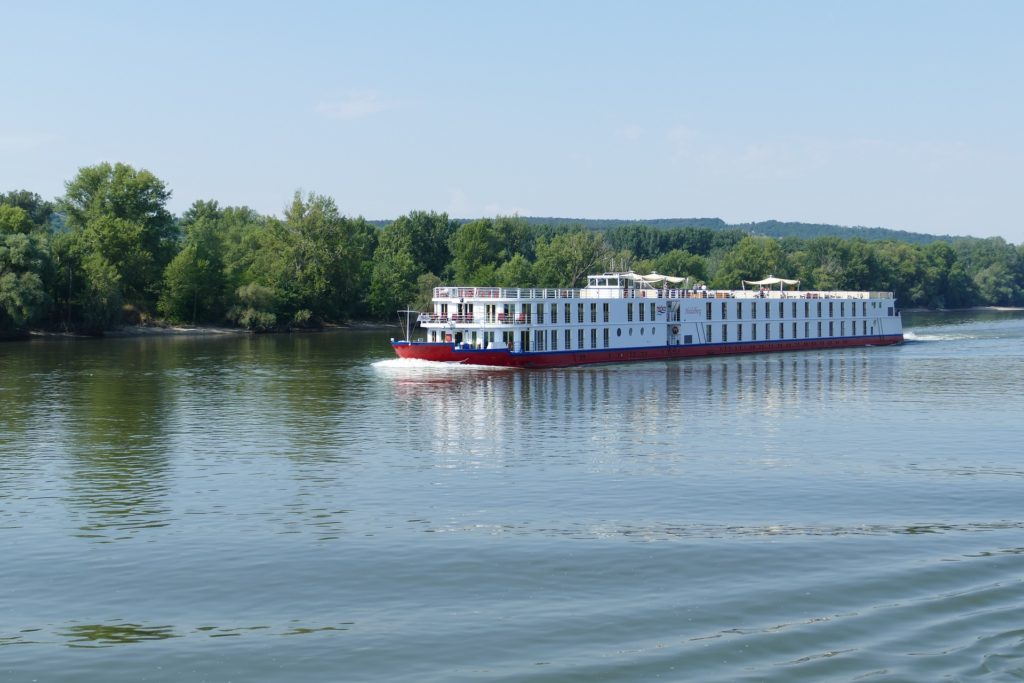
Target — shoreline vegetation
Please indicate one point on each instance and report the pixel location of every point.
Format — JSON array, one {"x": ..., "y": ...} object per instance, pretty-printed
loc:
[
  {"x": 108, "y": 259},
  {"x": 160, "y": 329}
]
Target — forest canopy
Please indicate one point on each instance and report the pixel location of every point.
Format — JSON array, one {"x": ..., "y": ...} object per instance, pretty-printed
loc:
[{"x": 109, "y": 252}]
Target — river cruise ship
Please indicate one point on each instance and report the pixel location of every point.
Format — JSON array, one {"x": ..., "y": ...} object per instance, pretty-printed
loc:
[{"x": 622, "y": 317}]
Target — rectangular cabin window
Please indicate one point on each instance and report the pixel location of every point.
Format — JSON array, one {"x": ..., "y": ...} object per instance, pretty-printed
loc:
[
  {"x": 794, "y": 331},
  {"x": 819, "y": 311},
  {"x": 593, "y": 337},
  {"x": 593, "y": 313},
  {"x": 767, "y": 310},
  {"x": 782, "y": 309},
  {"x": 605, "y": 312},
  {"x": 725, "y": 311},
  {"x": 540, "y": 315},
  {"x": 753, "y": 311},
  {"x": 568, "y": 339},
  {"x": 753, "y": 332},
  {"x": 865, "y": 329},
  {"x": 890, "y": 311},
  {"x": 568, "y": 313},
  {"x": 554, "y": 340},
  {"x": 831, "y": 329},
  {"x": 767, "y": 331},
  {"x": 640, "y": 307},
  {"x": 864, "y": 308},
  {"x": 739, "y": 310},
  {"x": 579, "y": 337},
  {"x": 830, "y": 310},
  {"x": 807, "y": 309},
  {"x": 707, "y": 310},
  {"x": 842, "y": 308},
  {"x": 579, "y": 315},
  {"x": 782, "y": 330},
  {"x": 687, "y": 338},
  {"x": 554, "y": 314},
  {"x": 794, "y": 310},
  {"x": 842, "y": 328},
  {"x": 819, "y": 328},
  {"x": 725, "y": 333},
  {"x": 606, "y": 338},
  {"x": 652, "y": 312},
  {"x": 739, "y": 332},
  {"x": 707, "y": 335},
  {"x": 629, "y": 312},
  {"x": 807, "y": 330}
]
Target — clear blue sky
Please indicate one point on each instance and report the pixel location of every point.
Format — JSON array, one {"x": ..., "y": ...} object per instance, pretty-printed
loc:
[{"x": 906, "y": 115}]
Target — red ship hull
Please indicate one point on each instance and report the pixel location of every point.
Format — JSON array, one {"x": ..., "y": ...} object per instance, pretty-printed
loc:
[{"x": 444, "y": 352}]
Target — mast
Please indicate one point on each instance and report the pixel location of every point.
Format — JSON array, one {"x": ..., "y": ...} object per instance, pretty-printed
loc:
[{"x": 408, "y": 319}]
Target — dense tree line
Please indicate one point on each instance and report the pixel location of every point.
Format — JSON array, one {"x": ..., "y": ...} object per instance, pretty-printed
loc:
[
  {"x": 765, "y": 228},
  {"x": 109, "y": 252}
]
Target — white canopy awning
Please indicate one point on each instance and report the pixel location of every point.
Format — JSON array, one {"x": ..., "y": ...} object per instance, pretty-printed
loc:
[
  {"x": 655, "y": 279},
  {"x": 772, "y": 281}
]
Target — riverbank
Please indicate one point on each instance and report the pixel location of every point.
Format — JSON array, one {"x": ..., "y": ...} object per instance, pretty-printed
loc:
[{"x": 196, "y": 331}]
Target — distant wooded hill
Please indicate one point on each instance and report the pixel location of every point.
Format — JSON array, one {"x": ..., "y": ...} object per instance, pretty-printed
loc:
[
  {"x": 760, "y": 228},
  {"x": 765, "y": 228}
]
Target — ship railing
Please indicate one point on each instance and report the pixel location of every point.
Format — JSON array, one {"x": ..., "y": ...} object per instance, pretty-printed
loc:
[
  {"x": 478, "y": 319},
  {"x": 774, "y": 294},
  {"x": 463, "y": 293},
  {"x": 505, "y": 293}
]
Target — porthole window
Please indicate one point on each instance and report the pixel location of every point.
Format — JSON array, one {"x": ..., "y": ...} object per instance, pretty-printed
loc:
[
  {"x": 618, "y": 332},
  {"x": 631, "y": 332},
  {"x": 641, "y": 331}
]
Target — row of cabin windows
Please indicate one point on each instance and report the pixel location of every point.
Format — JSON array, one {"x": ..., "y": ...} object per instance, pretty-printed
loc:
[
  {"x": 639, "y": 310},
  {"x": 548, "y": 340},
  {"x": 753, "y": 307},
  {"x": 794, "y": 330},
  {"x": 528, "y": 312}
]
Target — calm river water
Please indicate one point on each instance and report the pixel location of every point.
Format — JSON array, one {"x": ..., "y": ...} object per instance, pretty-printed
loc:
[{"x": 303, "y": 508}]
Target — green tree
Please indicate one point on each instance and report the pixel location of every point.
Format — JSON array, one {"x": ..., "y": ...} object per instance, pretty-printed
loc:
[
  {"x": 22, "y": 296},
  {"x": 566, "y": 260},
  {"x": 515, "y": 272},
  {"x": 752, "y": 258},
  {"x": 476, "y": 249},
  {"x": 425, "y": 285},
  {"x": 393, "y": 280},
  {"x": 37, "y": 210},
  {"x": 428, "y": 236},
  {"x": 902, "y": 270},
  {"x": 243, "y": 233},
  {"x": 119, "y": 213},
  {"x": 257, "y": 308},
  {"x": 995, "y": 268},
  {"x": 680, "y": 263},
  {"x": 14, "y": 220},
  {"x": 194, "y": 280},
  {"x": 317, "y": 261}
]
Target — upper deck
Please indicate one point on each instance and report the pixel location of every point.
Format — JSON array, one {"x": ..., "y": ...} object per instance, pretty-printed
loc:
[{"x": 491, "y": 294}]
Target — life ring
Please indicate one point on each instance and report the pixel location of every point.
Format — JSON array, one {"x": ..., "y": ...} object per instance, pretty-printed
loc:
[{"x": 675, "y": 329}]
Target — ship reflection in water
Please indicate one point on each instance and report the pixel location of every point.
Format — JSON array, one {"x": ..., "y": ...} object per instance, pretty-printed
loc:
[{"x": 649, "y": 408}]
